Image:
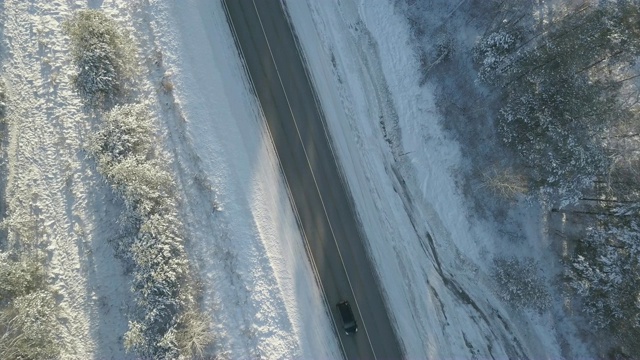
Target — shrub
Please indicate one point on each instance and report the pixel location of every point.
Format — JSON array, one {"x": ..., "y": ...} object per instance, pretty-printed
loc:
[
  {"x": 27, "y": 327},
  {"x": 126, "y": 156},
  {"x": 193, "y": 334},
  {"x": 18, "y": 278},
  {"x": 519, "y": 283},
  {"x": 103, "y": 54}
]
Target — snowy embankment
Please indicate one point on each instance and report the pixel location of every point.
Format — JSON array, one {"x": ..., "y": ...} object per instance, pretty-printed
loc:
[
  {"x": 258, "y": 285},
  {"x": 243, "y": 241},
  {"x": 432, "y": 255}
]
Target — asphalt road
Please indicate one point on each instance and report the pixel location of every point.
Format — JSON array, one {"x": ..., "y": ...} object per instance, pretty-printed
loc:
[{"x": 328, "y": 220}]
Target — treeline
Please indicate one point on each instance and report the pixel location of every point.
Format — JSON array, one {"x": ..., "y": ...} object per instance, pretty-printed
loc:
[
  {"x": 568, "y": 94},
  {"x": 167, "y": 323}
]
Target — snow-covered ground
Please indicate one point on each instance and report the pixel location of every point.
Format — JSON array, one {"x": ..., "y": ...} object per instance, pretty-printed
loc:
[
  {"x": 432, "y": 254},
  {"x": 54, "y": 195},
  {"x": 258, "y": 286},
  {"x": 401, "y": 167}
]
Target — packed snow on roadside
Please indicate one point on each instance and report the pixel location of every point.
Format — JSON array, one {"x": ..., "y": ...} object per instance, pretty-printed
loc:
[{"x": 400, "y": 167}]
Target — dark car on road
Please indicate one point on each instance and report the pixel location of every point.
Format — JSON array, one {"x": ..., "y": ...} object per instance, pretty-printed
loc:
[{"x": 348, "y": 320}]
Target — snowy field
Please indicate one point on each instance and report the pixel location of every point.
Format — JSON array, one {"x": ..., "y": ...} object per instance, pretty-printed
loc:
[
  {"x": 53, "y": 193},
  {"x": 258, "y": 287}
]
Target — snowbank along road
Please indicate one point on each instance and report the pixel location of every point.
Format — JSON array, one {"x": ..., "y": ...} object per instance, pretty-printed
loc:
[{"x": 323, "y": 205}]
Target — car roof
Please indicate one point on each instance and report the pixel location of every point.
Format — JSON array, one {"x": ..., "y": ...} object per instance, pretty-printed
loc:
[{"x": 345, "y": 310}]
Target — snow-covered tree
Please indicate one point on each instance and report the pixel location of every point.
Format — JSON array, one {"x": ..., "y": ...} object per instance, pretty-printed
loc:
[
  {"x": 561, "y": 92},
  {"x": 27, "y": 327},
  {"x": 127, "y": 155},
  {"x": 134, "y": 338},
  {"x": 605, "y": 272},
  {"x": 555, "y": 126},
  {"x": 193, "y": 334},
  {"x": 103, "y": 54},
  {"x": 160, "y": 279},
  {"x": 520, "y": 284},
  {"x": 493, "y": 55},
  {"x": 126, "y": 131},
  {"x": 504, "y": 182}
]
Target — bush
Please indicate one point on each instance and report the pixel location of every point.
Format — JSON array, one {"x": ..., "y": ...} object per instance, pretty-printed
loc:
[
  {"x": 19, "y": 278},
  {"x": 27, "y": 327},
  {"x": 520, "y": 285},
  {"x": 126, "y": 156},
  {"x": 103, "y": 55}
]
